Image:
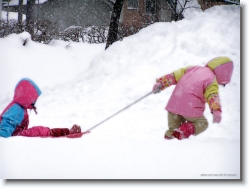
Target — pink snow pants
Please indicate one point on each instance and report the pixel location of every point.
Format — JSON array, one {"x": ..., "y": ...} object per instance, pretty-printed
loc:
[{"x": 36, "y": 131}]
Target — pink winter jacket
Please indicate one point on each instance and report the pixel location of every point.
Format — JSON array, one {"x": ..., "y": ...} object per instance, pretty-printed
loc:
[{"x": 197, "y": 85}]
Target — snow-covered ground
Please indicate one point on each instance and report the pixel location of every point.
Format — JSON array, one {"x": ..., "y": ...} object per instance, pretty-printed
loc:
[{"x": 84, "y": 84}]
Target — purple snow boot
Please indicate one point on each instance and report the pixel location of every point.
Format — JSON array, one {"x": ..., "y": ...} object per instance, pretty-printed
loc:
[{"x": 75, "y": 129}]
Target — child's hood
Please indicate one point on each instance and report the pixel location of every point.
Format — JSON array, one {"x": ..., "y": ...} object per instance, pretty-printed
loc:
[
  {"x": 26, "y": 93},
  {"x": 222, "y": 68}
]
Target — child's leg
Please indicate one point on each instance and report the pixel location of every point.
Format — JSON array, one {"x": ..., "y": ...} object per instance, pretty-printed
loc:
[
  {"x": 37, "y": 131},
  {"x": 174, "y": 121},
  {"x": 56, "y": 132},
  {"x": 192, "y": 126},
  {"x": 40, "y": 131},
  {"x": 200, "y": 124}
]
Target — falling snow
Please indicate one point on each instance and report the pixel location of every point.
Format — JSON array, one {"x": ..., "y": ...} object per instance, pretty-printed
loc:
[{"x": 85, "y": 84}]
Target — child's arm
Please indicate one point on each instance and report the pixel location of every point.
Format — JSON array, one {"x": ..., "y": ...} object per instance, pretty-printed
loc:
[
  {"x": 172, "y": 78},
  {"x": 166, "y": 81},
  {"x": 212, "y": 96},
  {"x": 213, "y": 100},
  {"x": 10, "y": 120}
]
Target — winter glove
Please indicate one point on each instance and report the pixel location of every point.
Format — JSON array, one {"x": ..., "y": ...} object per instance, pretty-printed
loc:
[
  {"x": 216, "y": 116},
  {"x": 157, "y": 87}
]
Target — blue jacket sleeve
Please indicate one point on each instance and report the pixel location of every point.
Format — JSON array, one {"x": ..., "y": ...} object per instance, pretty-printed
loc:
[{"x": 10, "y": 120}]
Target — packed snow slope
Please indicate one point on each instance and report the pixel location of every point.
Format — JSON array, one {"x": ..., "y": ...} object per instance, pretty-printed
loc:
[{"x": 85, "y": 84}]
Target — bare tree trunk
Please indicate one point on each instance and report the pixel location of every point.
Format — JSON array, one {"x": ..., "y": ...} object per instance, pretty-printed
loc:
[
  {"x": 1, "y": 2},
  {"x": 30, "y": 16},
  {"x": 175, "y": 15},
  {"x": 113, "y": 29},
  {"x": 8, "y": 11},
  {"x": 20, "y": 11}
]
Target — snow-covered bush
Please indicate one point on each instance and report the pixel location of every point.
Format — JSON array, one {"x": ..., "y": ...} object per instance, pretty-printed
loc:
[
  {"x": 72, "y": 33},
  {"x": 91, "y": 34},
  {"x": 9, "y": 27},
  {"x": 45, "y": 31},
  {"x": 94, "y": 34}
]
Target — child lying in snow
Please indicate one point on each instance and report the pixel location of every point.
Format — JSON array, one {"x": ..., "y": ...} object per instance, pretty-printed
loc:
[
  {"x": 14, "y": 120},
  {"x": 195, "y": 85}
]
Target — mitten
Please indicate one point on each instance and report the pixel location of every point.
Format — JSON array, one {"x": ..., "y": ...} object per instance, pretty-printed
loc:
[
  {"x": 157, "y": 87},
  {"x": 216, "y": 116}
]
